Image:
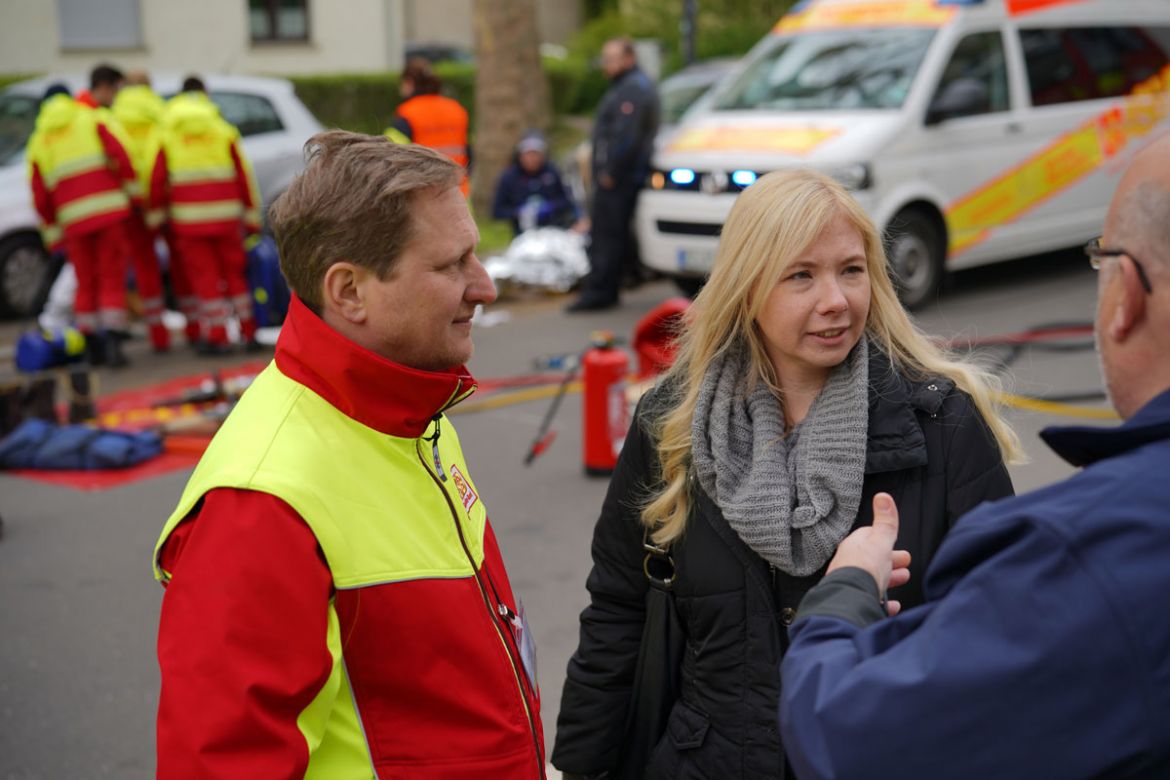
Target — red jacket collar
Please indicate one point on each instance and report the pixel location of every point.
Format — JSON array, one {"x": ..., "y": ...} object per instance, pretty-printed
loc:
[{"x": 378, "y": 393}]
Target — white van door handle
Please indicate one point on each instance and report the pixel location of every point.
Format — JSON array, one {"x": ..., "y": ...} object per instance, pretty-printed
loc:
[{"x": 1014, "y": 127}]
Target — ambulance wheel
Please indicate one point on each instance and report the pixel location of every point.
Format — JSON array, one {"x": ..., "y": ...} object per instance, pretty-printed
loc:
[
  {"x": 916, "y": 252},
  {"x": 26, "y": 273}
]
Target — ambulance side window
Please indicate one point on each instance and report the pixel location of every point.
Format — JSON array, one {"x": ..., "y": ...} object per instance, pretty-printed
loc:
[
  {"x": 974, "y": 82},
  {"x": 1066, "y": 65}
]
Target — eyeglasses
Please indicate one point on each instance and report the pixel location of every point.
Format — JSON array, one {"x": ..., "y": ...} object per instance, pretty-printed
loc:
[{"x": 1095, "y": 252}]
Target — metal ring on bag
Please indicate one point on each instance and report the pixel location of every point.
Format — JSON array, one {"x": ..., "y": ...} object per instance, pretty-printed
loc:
[{"x": 665, "y": 582}]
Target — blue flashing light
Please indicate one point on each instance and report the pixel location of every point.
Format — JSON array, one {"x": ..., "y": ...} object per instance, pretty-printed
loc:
[
  {"x": 682, "y": 177},
  {"x": 744, "y": 179}
]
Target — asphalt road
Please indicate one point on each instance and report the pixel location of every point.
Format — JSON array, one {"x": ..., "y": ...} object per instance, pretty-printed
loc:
[{"x": 79, "y": 609}]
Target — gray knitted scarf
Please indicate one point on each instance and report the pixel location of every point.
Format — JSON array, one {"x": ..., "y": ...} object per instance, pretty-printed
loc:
[{"x": 791, "y": 498}]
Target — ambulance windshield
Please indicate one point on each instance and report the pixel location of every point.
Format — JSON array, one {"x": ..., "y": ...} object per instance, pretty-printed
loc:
[{"x": 821, "y": 70}]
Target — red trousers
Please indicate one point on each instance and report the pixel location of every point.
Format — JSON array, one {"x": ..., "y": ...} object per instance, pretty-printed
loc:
[
  {"x": 147, "y": 276},
  {"x": 214, "y": 267},
  {"x": 100, "y": 259}
]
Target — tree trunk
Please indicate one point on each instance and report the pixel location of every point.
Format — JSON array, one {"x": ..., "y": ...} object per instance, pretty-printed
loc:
[{"x": 511, "y": 94}]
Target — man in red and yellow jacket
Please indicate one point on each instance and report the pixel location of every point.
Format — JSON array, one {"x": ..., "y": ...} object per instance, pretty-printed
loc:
[
  {"x": 336, "y": 602},
  {"x": 139, "y": 112},
  {"x": 83, "y": 187},
  {"x": 202, "y": 185},
  {"x": 427, "y": 118}
]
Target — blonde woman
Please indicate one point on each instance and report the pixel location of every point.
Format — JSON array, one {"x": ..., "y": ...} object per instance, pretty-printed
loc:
[{"x": 801, "y": 389}]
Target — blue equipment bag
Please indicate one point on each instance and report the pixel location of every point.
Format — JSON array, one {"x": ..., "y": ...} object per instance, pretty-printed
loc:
[
  {"x": 270, "y": 294},
  {"x": 39, "y": 444},
  {"x": 38, "y": 350}
]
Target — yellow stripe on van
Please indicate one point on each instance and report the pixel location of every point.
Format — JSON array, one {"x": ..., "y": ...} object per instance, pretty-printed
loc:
[
  {"x": 1059, "y": 165},
  {"x": 793, "y": 140},
  {"x": 835, "y": 14}
]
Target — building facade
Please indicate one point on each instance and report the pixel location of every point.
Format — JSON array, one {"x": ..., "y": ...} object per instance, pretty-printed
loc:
[{"x": 284, "y": 37}]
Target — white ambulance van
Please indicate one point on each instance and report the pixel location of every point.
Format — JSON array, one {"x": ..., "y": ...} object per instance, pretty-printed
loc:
[{"x": 972, "y": 131}]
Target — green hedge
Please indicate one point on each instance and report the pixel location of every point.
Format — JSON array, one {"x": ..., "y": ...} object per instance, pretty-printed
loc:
[{"x": 365, "y": 102}]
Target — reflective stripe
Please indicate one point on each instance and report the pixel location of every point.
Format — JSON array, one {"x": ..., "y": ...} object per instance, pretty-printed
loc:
[
  {"x": 67, "y": 168},
  {"x": 154, "y": 217},
  {"x": 200, "y": 175},
  {"x": 92, "y": 205},
  {"x": 113, "y": 319},
  {"x": 197, "y": 213},
  {"x": 51, "y": 234},
  {"x": 252, "y": 216}
]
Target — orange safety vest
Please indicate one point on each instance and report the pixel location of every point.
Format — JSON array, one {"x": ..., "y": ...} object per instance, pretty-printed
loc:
[{"x": 440, "y": 123}]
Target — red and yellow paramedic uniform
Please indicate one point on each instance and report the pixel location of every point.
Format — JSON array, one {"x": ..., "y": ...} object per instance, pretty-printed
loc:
[
  {"x": 139, "y": 113},
  {"x": 435, "y": 121},
  {"x": 336, "y": 602},
  {"x": 204, "y": 185},
  {"x": 82, "y": 184}
]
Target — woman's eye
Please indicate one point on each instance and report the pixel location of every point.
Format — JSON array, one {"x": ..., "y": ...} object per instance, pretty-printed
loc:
[
  {"x": 801, "y": 275},
  {"x": 854, "y": 269}
]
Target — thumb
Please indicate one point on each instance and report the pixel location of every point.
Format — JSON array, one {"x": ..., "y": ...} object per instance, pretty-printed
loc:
[{"x": 885, "y": 517}]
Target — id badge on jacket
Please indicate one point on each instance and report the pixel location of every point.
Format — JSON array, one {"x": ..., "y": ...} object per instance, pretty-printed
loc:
[{"x": 524, "y": 641}]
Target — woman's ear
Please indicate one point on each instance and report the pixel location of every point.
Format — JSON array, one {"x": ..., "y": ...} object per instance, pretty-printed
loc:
[{"x": 342, "y": 291}]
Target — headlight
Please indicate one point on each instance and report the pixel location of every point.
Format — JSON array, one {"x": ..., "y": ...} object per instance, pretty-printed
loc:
[{"x": 853, "y": 177}]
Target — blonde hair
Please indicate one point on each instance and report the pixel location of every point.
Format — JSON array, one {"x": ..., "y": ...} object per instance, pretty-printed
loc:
[{"x": 772, "y": 223}]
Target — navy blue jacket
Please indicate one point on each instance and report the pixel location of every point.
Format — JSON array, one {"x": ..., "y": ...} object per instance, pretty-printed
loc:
[
  {"x": 1043, "y": 648},
  {"x": 516, "y": 187},
  {"x": 624, "y": 129}
]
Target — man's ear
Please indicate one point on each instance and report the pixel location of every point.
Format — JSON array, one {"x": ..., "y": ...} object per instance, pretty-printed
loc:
[
  {"x": 1130, "y": 308},
  {"x": 342, "y": 291}
]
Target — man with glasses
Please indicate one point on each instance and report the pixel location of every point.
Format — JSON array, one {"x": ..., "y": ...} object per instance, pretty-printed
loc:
[{"x": 1043, "y": 649}]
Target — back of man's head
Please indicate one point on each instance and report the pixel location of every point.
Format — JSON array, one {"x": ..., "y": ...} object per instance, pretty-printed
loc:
[
  {"x": 352, "y": 202},
  {"x": 193, "y": 84},
  {"x": 105, "y": 75},
  {"x": 422, "y": 77}
]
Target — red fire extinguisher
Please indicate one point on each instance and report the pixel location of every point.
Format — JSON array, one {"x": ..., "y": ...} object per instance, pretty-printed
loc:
[{"x": 606, "y": 416}]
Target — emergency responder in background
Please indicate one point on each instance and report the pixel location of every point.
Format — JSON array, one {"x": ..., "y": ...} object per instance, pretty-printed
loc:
[
  {"x": 427, "y": 118},
  {"x": 139, "y": 112},
  {"x": 531, "y": 193},
  {"x": 204, "y": 184},
  {"x": 104, "y": 82},
  {"x": 84, "y": 189},
  {"x": 623, "y": 140}
]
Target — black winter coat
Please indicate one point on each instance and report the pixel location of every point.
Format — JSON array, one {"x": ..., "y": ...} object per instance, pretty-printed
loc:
[{"x": 928, "y": 447}]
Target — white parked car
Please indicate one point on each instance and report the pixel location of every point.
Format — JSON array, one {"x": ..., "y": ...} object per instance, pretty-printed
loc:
[
  {"x": 272, "y": 120},
  {"x": 972, "y": 132}
]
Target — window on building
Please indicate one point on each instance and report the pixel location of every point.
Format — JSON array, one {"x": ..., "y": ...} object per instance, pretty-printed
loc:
[
  {"x": 975, "y": 80},
  {"x": 110, "y": 24},
  {"x": 251, "y": 114},
  {"x": 278, "y": 20},
  {"x": 1087, "y": 63}
]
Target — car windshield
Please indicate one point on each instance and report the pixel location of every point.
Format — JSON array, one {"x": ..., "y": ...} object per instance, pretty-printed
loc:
[
  {"x": 676, "y": 98},
  {"x": 18, "y": 115},
  {"x": 830, "y": 69}
]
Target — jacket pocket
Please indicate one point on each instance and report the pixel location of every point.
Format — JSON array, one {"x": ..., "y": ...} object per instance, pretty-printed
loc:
[{"x": 687, "y": 727}]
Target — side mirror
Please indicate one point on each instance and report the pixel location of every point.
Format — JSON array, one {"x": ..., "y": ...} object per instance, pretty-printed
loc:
[{"x": 962, "y": 97}]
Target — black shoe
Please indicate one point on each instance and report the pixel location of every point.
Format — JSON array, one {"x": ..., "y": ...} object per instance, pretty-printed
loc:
[
  {"x": 253, "y": 347},
  {"x": 115, "y": 357},
  {"x": 95, "y": 348},
  {"x": 589, "y": 304}
]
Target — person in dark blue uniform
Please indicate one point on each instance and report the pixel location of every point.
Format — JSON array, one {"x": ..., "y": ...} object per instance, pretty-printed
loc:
[
  {"x": 623, "y": 140},
  {"x": 530, "y": 192}
]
